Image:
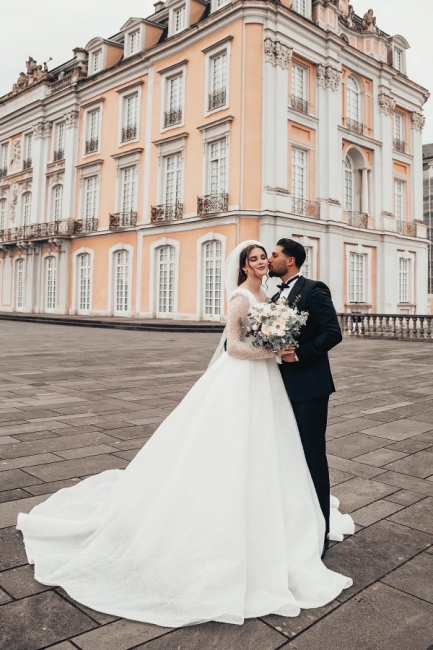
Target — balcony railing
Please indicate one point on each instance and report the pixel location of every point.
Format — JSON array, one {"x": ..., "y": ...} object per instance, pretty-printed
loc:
[
  {"x": 92, "y": 145},
  {"x": 217, "y": 99},
  {"x": 123, "y": 220},
  {"x": 399, "y": 145},
  {"x": 306, "y": 208},
  {"x": 64, "y": 227},
  {"x": 354, "y": 126},
  {"x": 85, "y": 225},
  {"x": 59, "y": 155},
  {"x": 212, "y": 203},
  {"x": 406, "y": 228},
  {"x": 173, "y": 116},
  {"x": 387, "y": 326},
  {"x": 129, "y": 133},
  {"x": 166, "y": 212},
  {"x": 27, "y": 164},
  {"x": 61, "y": 83},
  {"x": 3, "y": 172},
  {"x": 357, "y": 219},
  {"x": 299, "y": 104}
]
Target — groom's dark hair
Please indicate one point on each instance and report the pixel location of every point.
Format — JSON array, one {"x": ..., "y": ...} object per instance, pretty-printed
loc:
[{"x": 292, "y": 248}]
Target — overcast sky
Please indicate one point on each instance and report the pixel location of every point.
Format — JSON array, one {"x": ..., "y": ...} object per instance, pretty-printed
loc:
[{"x": 52, "y": 28}]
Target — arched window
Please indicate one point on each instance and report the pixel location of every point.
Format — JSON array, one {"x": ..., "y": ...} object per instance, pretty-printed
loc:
[
  {"x": 212, "y": 253},
  {"x": 19, "y": 283},
  {"x": 122, "y": 289},
  {"x": 26, "y": 208},
  {"x": 84, "y": 278},
  {"x": 353, "y": 100},
  {"x": 166, "y": 258},
  {"x": 57, "y": 210},
  {"x": 3, "y": 212},
  {"x": 50, "y": 282},
  {"x": 348, "y": 185}
]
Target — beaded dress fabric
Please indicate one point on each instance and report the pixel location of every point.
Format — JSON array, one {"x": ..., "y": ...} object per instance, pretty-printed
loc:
[{"x": 216, "y": 518}]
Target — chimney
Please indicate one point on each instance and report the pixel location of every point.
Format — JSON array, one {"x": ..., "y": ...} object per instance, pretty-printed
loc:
[{"x": 159, "y": 5}]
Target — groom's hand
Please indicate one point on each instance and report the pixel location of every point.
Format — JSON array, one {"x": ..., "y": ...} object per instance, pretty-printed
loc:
[{"x": 289, "y": 355}]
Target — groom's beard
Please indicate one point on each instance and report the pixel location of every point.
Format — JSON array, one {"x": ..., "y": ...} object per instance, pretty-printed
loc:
[{"x": 275, "y": 274}]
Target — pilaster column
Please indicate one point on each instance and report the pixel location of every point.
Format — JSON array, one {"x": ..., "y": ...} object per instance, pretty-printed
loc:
[
  {"x": 329, "y": 179},
  {"x": 417, "y": 121},
  {"x": 71, "y": 147},
  {"x": 384, "y": 185},
  {"x": 365, "y": 207},
  {"x": 275, "y": 92},
  {"x": 41, "y": 135}
]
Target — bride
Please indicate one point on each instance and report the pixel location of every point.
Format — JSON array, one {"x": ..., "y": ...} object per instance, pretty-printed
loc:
[{"x": 216, "y": 518}]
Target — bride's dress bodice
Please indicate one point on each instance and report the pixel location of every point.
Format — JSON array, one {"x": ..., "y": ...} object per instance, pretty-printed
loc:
[{"x": 240, "y": 303}]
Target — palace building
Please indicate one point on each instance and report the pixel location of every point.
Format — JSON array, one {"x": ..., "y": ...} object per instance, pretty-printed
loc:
[{"x": 129, "y": 173}]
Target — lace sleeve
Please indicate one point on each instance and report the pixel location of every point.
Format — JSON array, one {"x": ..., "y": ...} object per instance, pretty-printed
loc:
[{"x": 236, "y": 346}]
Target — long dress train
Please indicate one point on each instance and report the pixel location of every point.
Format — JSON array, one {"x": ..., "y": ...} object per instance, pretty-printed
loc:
[{"x": 216, "y": 518}]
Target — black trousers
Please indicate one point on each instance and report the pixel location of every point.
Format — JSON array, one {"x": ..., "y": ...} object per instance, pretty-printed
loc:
[{"x": 312, "y": 417}]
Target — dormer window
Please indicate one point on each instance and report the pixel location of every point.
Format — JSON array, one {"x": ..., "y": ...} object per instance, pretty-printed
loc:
[
  {"x": 133, "y": 42},
  {"x": 397, "y": 53},
  {"x": 179, "y": 19},
  {"x": 300, "y": 6},
  {"x": 97, "y": 61},
  {"x": 398, "y": 60}
]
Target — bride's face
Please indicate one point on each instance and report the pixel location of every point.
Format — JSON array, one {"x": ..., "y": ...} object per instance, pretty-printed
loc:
[{"x": 257, "y": 263}]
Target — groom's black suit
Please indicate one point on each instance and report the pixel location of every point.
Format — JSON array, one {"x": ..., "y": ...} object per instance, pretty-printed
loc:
[{"x": 309, "y": 381}]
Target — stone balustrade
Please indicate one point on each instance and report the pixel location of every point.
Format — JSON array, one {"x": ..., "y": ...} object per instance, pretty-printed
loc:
[{"x": 387, "y": 326}]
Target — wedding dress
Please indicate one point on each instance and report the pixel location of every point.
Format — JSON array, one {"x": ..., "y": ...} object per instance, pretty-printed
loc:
[{"x": 216, "y": 518}]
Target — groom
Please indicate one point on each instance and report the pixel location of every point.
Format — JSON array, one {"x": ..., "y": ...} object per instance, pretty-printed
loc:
[{"x": 306, "y": 371}]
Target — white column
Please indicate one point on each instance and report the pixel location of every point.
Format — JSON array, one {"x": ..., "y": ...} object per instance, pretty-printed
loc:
[
  {"x": 384, "y": 112},
  {"x": 275, "y": 145},
  {"x": 417, "y": 122},
  {"x": 41, "y": 133},
  {"x": 329, "y": 176},
  {"x": 71, "y": 148},
  {"x": 365, "y": 208}
]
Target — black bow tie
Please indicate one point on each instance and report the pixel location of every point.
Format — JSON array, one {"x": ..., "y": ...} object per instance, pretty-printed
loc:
[{"x": 284, "y": 285}]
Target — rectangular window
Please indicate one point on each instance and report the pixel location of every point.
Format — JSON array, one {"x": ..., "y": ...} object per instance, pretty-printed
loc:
[
  {"x": 130, "y": 117},
  {"x": 134, "y": 41},
  {"x": 84, "y": 281},
  {"x": 306, "y": 269},
  {"x": 299, "y": 88},
  {"x": 58, "y": 202},
  {"x": 179, "y": 17},
  {"x": 4, "y": 159},
  {"x": 356, "y": 277},
  {"x": 59, "y": 143},
  {"x": 27, "y": 159},
  {"x": 173, "y": 100},
  {"x": 97, "y": 61},
  {"x": 27, "y": 208},
  {"x": 20, "y": 283},
  {"x": 213, "y": 279},
  {"x": 398, "y": 126},
  {"x": 299, "y": 164},
  {"x": 218, "y": 167},
  {"x": 300, "y": 6},
  {"x": 166, "y": 270},
  {"x": 3, "y": 209},
  {"x": 93, "y": 121},
  {"x": 399, "y": 201},
  {"x": 221, "y": 3},
  {"x": 218, "y": 81},
  {"x": 398, "y": 60},
  {"x": 90, "y": 197},
  {"x": 128, "y": 189},
  {"x": 403, "y": 280},
  {"x": 173, "y": 179},
  {"x": 51, "y": 280}
]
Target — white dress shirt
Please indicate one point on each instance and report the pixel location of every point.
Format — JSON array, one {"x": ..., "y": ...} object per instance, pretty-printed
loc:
[{"x": 285, "y": 292}]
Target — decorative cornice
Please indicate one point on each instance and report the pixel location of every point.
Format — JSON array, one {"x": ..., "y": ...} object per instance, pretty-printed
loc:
[
  {"x": 169, "y": 68},
  {"x": 128, "y": 152},
  {"x": 328, "y": 77},
  {"x": 213, "y": 46},
  {"x": 386, "y": 104},
  {"x": 417, "y": 121},
  {"x": 212, "y": 125},
  {"x": 125, "y": 89},
  {"x": 277, "y": 53},
  {"x": 172, "y": 138}
]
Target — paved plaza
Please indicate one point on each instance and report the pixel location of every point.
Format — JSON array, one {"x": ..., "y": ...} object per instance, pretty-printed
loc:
[{"x": 77, "y": 401}]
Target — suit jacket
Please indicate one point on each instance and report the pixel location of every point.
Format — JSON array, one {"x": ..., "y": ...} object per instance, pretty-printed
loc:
[{"x": 310, "y": 377}]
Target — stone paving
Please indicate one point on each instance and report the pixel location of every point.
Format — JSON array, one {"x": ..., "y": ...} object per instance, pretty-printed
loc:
[{"x": 74, "y": 402}]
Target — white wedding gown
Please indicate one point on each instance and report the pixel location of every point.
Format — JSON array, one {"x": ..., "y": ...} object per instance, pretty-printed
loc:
[{"x": 216, "y": 518}]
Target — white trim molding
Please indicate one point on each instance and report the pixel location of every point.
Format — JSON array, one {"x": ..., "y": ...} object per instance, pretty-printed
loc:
[
  {"x": 111, "y": 277},
  {"x": 153, "y": 277}
]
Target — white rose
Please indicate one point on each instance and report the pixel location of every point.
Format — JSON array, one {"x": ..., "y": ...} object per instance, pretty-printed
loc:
[{"x": 266, "y": 330}]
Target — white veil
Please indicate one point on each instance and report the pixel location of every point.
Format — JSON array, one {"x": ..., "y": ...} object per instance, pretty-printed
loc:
[{"x": 231, "y": 282}]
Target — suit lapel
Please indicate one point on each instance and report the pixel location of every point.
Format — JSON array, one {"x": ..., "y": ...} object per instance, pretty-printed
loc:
[{"x": 295, "y": 290}]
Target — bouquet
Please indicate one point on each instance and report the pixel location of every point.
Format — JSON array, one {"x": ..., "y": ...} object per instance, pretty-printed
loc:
[{"x": 275, "y": 325}]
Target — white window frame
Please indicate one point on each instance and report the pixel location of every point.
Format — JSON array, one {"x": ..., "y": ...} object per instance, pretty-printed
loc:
[
  {"x": 76, "y": 284},
  {"x": 153, "y": 277},
  {"x": 19, "y": 283},
  {"x": 171, "y": 263},
  {"x": 134, "y": 45},
  {"x": 55, "y": 283},
  {"x": 55, "y": 200},
  {"x": 210, "y": 133},
  {"x": 112, "y": 278},
  {"x": 209, "y": 161},
  {"x": 97, "y": 61},
  {"x": 211, "y": 53},
  {"x": 59, "y": 140},
  {"x": 200, "y": 303},
  {"x": 404, "y": 273},
  {"x": 86, "y": 184},
  {"x": 215, "y": 313},
  {"x": 177, "y": 171},
  {"x": 305, "y": 195},
  {"x": 354, "y": 297},
  {"x": 166, "y": 76},
  {"x": 359, "y": 94},
  {"x": 4, "y": 164},
  {"x": 124, "y": 95},
  {"x": 126, "y": 283},
  {"x": 26, "y": 208},
  {"x": 296, "y": 66},
  {"x": 398, "y": 59},
  {"x": 179, "y": 19},
  {"x": 173, "y": 12},
  {"x": 348, "y": 172},
  {"x": 219, "y": 4},
  {"x": 85, "y": 172},
  {"x": 311, "y": 244},
  {"x": 123, "y": 170},
  {"x": 301, "y": 7},
  {"x": 28, "y": 146},
  {"x": 3, "y": 213},
  {"x": 400, "y": 193},
  {"x": 95, "y": 106},
  {"x": 399, "y": 132}
]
